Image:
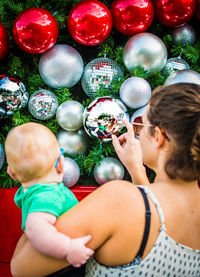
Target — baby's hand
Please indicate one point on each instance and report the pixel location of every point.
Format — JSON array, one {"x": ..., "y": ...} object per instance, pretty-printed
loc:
[{"x": 78, "y": 253}]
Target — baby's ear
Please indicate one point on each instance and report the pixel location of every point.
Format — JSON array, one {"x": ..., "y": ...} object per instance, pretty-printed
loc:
[
  {"x": 12, "y": 175},
  {"x": 60, "y": 165}
]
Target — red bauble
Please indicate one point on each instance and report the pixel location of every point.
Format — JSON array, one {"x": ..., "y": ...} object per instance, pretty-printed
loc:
[
  {"x": 132, "y": 16},
  {"x": 198, "y": 9},
  {"x": 89, "y": 22},
  {"x": 35, "y": 30},
  {"x": 4, "y": 42},
  {"x": 174, "y": 13}
]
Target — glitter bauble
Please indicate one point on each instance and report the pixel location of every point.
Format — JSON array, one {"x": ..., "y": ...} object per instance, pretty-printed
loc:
[
  {"x": 61, "y": 66},
  {"x": 109, "y": 169},
  {"x": 145, "y": 50},
  {"x": 43, "y": 104},
  {"x": 4, "y": 41},
  {"x": 70, "y": 115},
  {"x": 35, "y": 30},
  {"x": 71, "y": 172},
  {"x": 103, "y": 117},
  {"x": 100, "y": 72},
  {"x": 183, "y": 76},
  {"x": 2, "y": 156},
  {"x": 12, "y": 95},
  {"x": 135, "y": 92},
  {"x": 184, "y": 35},
  {"x": 174, "y": 64},
  {"x": 73, "y": 143}
]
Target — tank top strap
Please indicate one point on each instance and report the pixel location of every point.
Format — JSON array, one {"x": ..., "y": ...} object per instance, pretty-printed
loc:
[{"x": 157, "y": 204}]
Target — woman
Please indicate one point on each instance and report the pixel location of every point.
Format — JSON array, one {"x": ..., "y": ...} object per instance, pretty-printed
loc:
[{"x": 151, "y": 231}]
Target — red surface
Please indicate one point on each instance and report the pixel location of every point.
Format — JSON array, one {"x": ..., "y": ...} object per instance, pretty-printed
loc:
[
  {"x": 174, "y": 13},
  {"x": 10, "y": 218},
  {"x": 132, "y": 16},
  {"x": 35, "y": 30},
  {"x": 89, "y": 22},
  {"x": 4, "y": 42}
]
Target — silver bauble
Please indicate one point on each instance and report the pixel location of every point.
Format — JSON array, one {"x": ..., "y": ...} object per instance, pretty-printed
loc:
[
  {"x": 137, "y": 116},
  {"x": 103, "y": 117},
  {"x": 109, "y": 169},
  {"x": 174, "y": 64},
  {"x": 12, "y": 94},
  {"x": 71, "y": 172},
  {"x": 25, "y": 99},
  {"x": 183, "y": 76},
  {"x": 61, "y": 66},
  {"x": 70, "y": 115},
  {"x": 74, "y": 143},
  {"x": 184, "y": 35},
  {"x": 43, "y": 104},
  {"x": 135, "y": 92},
  {"x": 2, "y": 156},
  {"x": 100, "y": 72},
  {"x": 145, "y": 50}
]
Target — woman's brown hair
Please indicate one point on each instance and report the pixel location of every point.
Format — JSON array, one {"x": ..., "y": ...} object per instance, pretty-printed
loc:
[{"x": 176, "y": 109}]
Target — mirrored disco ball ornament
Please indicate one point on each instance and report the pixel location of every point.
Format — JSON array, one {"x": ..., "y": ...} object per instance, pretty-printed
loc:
[
  {"x": 100, "y": 72},
  {"x": 183, "y": 76},
  {"x": 71, "y": 172},
  {"x": 103, "y": 117},
  {"x": 43, "y": 104},
  {"x": 109, "y": 169},
  {"x": 61, "y": 66},
  {"x": 184, "y": 35},
  {"x": 2, "y": 156},
  {"x": 135, "y": 92},
  {"x": 70, "y": 115},
  {"x": 174, "y": 64},
  {"x": 12, "y": 95},
  {"x": 74, "y": 143},
  {"x": 146, "y": 50}
]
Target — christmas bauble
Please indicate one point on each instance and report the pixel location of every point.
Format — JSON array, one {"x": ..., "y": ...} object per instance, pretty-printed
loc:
[
  {"x": 184, "y": 35},
  {"x": 4, "y": 41},
  {"x": 43, "y": 104},
  {"x": 198, "y": 9},
  {"x": 89, "y": 22},
  {"x": 138, "y": 114},
  {"x": 183, "y": 76},
  {"x": 174, "y": 64},
  {"x": 174, "y": 13},
  {"x": 35, "y": 30},
  {"x": 12, "y": 93},
  {"x": 109, "y": 169},
  {"x": 61, "y": 66},
  {"x": 25, "y": 99},
  {"x": 131, "y": 17},
  {"x": 100, "y": 72},
  {"x": 2, "y": 156},
  {"x": 103, "y": 117},
  {"x": 74, "y": 143},
  {"x": 71, "y": 172},
  {"x": 145, "y": 50},
  {"x": 135, "y": 92},
  {"x": 70, "y": 115}
]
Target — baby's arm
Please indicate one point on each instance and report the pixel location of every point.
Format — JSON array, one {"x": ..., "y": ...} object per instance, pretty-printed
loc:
[{"x": 43, "y": 235}]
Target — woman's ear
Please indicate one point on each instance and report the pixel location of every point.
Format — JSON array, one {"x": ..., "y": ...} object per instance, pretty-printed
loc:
[
  {"x": 60, "y": 165},
  {"x": 159, "y": 138},
  {"x": 11, "y": 174}
]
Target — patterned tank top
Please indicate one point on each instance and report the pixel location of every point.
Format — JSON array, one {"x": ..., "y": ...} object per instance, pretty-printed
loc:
[{"x": 166, "y": 258}]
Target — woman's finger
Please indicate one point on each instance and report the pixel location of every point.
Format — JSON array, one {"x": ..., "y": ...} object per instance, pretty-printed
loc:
[{"x": 129, "y": 127}]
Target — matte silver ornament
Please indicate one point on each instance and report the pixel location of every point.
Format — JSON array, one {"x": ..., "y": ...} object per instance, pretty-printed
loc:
[
  {"x": 183, "y": 76},
  {"x": 43, "y": 104},
  {"x": 74, "y": 143},
  {"x": 2, "y": 156},
  {"x": 184, "y": 35},
  {"x": 145, "y": 50},
  {"x": 174, "y": 64},
  {"x": 61, "y": 66},
  {"x": 135, "y": 92},
  {"x": 71, "y": 172},
  {"x": 70, "y": 115},
  {"x": 109, "y": 169},
  {"x": 103, "y": 117},
  {"x": 100, "y": 72},
  {"x": 137, "y": 115}
]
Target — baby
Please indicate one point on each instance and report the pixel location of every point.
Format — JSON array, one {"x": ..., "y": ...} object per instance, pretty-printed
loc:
[{"x": 34, "y": 159}]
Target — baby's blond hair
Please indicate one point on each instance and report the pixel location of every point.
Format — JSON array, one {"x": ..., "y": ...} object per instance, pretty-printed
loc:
[{"x": 31, "y": 151}]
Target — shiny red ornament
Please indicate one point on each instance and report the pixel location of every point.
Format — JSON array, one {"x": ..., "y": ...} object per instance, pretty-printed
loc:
[
  {"x": 198, "y": 9},
  {"x": 35, "y": 30},
  {"x": 174, "y": 13},
  {"x": 132, "y": 16},
  {"x": 89, "y": 22},
  {"x": 4, "y": 41}
]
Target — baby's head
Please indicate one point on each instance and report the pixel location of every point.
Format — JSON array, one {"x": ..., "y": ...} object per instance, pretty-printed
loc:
[{"x": 31, "y": 151}]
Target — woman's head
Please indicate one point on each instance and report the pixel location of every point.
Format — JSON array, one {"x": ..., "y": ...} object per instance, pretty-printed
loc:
[{"x": 176, "y": 110}]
